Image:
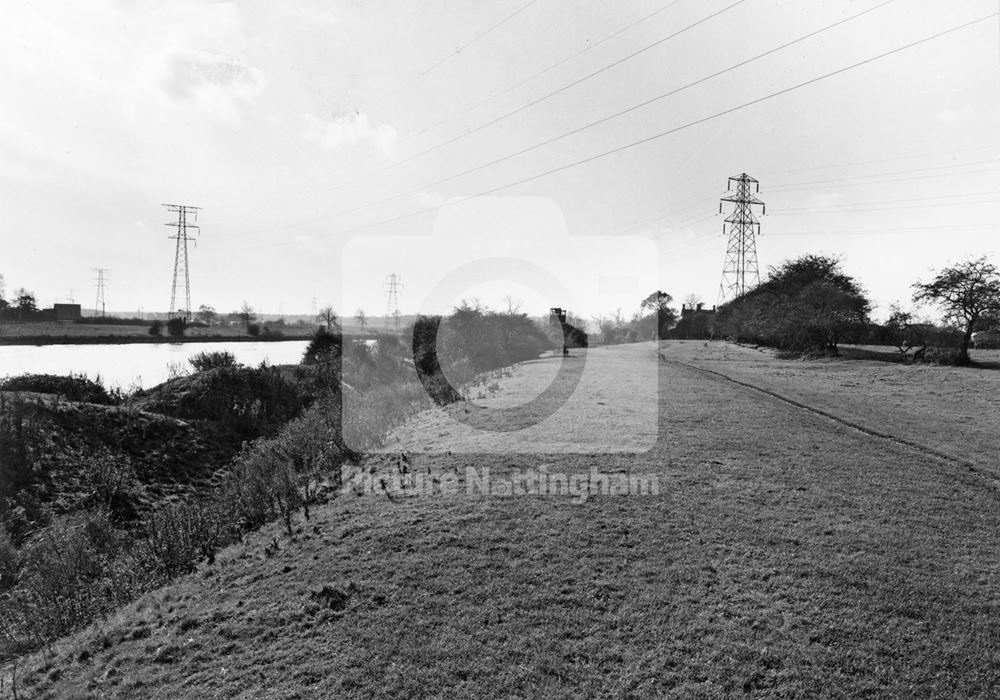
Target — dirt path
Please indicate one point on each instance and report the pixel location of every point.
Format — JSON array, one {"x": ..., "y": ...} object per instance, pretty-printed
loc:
[
  {"x": 606, "y": 402},
  {"x": 783, "y": 555}
]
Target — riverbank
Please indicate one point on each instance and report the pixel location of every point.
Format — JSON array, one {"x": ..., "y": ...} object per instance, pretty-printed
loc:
[
  {"x": 131, "y": 339},
  {"x": 113, "y": 334}
]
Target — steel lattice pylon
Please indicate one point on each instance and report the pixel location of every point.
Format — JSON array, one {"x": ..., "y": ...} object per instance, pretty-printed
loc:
[
  {"x": 182, "y": 276},
  {"x": 393, "y": 283},
  {"x": 740, "y": 273}
]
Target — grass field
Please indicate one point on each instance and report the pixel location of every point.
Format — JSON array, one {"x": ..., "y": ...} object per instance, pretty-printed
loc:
[{"x": 821, "y": 528}]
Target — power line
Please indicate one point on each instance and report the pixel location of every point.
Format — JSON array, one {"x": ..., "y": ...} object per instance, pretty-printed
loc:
[
  {"x": 550, "y": 67},
  {"x": 900, "y": 229},
  {"x": 682, "y": 127},
  {"x": 607, "y": 118},
  {"x": 896, "y": 172},
  {"x": 860, "y": 208},
  {"x": 528, "y": 105},
  {"x": 809, "y": 186},
  {"x": 447, "y": 58},
  {"x": 912, "y": 156}
]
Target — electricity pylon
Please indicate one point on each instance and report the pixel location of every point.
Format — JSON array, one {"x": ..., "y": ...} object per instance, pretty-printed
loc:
[
  {"x": 181, "y": 271},
  {"x": 393, "y": 284},
  {"x": 740, "y": 273},
  {"x": 99, "y": 306}
]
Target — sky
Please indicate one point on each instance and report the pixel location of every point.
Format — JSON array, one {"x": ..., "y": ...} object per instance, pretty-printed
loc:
[{"x": 332, "y": 143}]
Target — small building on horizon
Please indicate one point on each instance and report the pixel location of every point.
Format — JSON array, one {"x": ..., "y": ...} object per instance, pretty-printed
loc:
[
  {"x": 696, "y": 323},
  {"x": 64, "y": 312}
]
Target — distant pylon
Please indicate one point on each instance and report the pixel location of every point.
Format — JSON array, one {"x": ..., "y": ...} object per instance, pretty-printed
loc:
[
  {"x": 99, "y": 306},
  {"x": 740, "y": 273},
  {"x": 393, "y": 284},
  {"x": 181, "y": 272}
]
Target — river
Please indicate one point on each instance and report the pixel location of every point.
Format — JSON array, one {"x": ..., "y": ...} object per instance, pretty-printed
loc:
[{"x": 137, "y": 365}]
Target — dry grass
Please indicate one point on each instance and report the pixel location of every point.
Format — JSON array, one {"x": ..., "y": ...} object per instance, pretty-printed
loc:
[{"x": 786, "y": 555}]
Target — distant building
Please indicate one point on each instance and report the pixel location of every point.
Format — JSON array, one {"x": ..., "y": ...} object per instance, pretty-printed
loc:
[
  {"x": 696, "y": 323},
  {"x": 64, "y": 312}
]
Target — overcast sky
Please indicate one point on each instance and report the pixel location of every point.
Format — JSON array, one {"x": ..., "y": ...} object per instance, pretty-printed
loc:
[{"x": 323, "y": 138}]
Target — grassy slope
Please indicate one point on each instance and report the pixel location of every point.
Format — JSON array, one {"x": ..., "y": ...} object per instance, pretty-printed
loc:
[{"x": 785, "y": 555}]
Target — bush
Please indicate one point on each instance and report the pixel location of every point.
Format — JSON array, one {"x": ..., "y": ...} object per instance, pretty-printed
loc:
[
  {"x": 9, "y": 560},
  {"x": 253, "y": 329},
  {"x": 325, "y": 347},
  {"x": 176, "y": 327},
  {"x": 113, "y": 484},
  {"x": 156, "y": 328},
  {"x": 807, "y": 305},
  {"x": 204, "y": 361},
  {"x": 72, "y": 387},
  {"x": 69, "y": 574},
  {"x": 250, "y": 401}
]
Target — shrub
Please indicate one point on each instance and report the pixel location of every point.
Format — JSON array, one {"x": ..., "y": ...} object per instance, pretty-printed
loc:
[
  {"x": 113, "y": 484},
  {"x": 325, "y": 347},
  {"x": 806, "y": 305},
  {"x": 251, "y": 401},
  {"x": 253, "y": 329},
  {"x": 204, "y": 361},
  {"x": 69, "y": 575},
  {"x": 9, "y": 560},
  {"x": 72, "y": 387},
  {"x": 156, "y": 328}
]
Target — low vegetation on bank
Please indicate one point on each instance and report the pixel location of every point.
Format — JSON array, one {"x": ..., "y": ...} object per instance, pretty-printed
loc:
[{"x": 107, "y": 495}]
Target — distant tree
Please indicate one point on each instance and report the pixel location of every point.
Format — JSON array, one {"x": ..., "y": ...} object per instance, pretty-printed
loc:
[
  {"x": 207, "y": 314},
  {"x": 176, "y": 327},
  {"x": 25, "y": 300},
  {"x": 253, "y": 329},
  {"x": 966, "y": 293},
  {"x": 612, "y": 328},
  {"x": 329, "y": 318},
  {"x": 659, "y": 303},
  {"x": 361, "y": 318},
  {"x": 156, "y": 328},
  {"x": 247, "y": 315},
  {"x": 692, "y": 300}
]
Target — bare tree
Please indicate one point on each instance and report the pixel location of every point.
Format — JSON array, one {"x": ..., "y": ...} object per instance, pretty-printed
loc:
[
  {"x": 247, "y": 314},
  {"x": 361, "y": 318},
  {"x": 328, "y": 317},
  {"x": 513, "y": 305},
  {"x": 965, "y": 292},
  {"x": 206, "y": 314}
]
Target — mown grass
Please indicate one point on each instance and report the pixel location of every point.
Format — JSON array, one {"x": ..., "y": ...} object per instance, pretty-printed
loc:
[{"x": 785, "y": 556}]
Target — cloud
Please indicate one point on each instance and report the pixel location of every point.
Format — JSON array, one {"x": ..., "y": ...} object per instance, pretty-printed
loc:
[
  {"x": 349, "y": 129},
  {"x": 210, "y": 81}
]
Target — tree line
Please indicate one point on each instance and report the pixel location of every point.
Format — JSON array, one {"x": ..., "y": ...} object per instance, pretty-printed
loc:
[{"x": 810, "y": 305}]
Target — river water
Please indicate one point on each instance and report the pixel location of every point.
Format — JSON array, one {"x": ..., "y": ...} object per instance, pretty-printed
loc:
[{"x": 139, "y": 364}]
